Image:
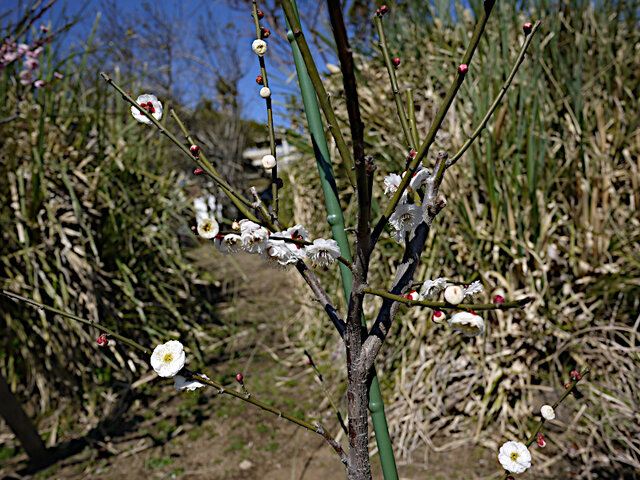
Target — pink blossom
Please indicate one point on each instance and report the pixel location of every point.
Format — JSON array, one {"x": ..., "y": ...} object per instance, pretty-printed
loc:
[
  {"x": 26, "y": 77},
  {"x": 57, "y": 75},
  {"x": 38, "y": 84}
]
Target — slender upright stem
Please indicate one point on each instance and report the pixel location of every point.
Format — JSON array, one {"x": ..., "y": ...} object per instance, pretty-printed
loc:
[
  {"x": 394, "y": 83},
  {"x": 498, "y": 99},
  {"x": 411, "y": 112},
  {"x": 272, "y": 135},
  {"x": 437, "y": 121}
]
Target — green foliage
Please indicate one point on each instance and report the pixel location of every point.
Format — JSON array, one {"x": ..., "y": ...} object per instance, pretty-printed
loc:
[{"x": 94, "y": 222}]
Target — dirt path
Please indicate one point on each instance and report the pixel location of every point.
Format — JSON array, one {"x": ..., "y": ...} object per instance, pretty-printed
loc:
[{"x": 183, "y": 435}]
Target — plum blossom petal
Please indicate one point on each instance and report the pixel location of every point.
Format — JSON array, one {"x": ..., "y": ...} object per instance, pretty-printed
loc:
[
  {"x": 472, "y": 290},
  {"x": 323, "y": 252},
  {"x": 467, "y": 323},
  {"x": 230, "y": 243},
  {"x": 404, "y": 220},
  {"x": 168, "y": 358},
  {"x": 151, "y": 104},
  {"x": 432, "y": 288},
  {"x": 208, "y": 228},
  {"x": 184, "y": 383},
  {"x": 514, "y": 457}
]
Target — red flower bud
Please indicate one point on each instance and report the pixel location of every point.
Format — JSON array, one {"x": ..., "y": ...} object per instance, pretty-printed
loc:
[
  {"x": 308, "y": 362},
  {"x": 378, "y": 12},
  {"x": 198, "y": 171},
  {"x": 103, "y": 341},
  {"x": 195, "y": 150},
  {"x": 463, "y": 68},
  {"x": 498, "y": 299},
  {"x": 259, "y": 80},
  {"x": 396, "y": 62},
  {"x": 239, "y": 378},
  {"x": 260, "y": 14},
  {"x": 384, "y": 10},
  {"x": 568, "y": 385},
  {"x": 527, "y": 27},
  {"x": 541, "y": 441},
  {"x": 412, "y": 153},
  {"x": 575, "y": 375},
  {"x": 265, "y": 32},
  {"x": 279, "y": 183}
]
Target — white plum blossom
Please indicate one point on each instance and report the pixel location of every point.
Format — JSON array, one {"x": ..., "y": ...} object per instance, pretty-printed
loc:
[
  {"x": 467, "y": 323},
  {"x": 404, "y": 220},
  {"x": 297, "y": 232},
  {"x": 254, "y": 237},
  {"x": 168, "y": 358},
  {"x": 454, "y": 294},
  {"x": 259, "y": 47},
  {"x": 184, "y": 383},
  {"x": 151, "y": 104},
  {"x": 278, "y": 254},
  {"x": 208, "y": 228},
  {"x": 268, "y": 162},
  {"x": 547, "y": 412},
  {"x": 514, "y": 457},
  {"x": 323, "y": 252},
  {"x": 391, "y": 183},
  {"x": 230, "y": 243},
  {"x": 419, "y": 178},
  {"x": 432, "y": 288},
  {"x": 265, "y": 92},
  {"x": 472, "y": 290}
]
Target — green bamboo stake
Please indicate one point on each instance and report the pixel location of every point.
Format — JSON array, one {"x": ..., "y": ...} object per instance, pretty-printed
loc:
[{"x": 336, "y": 221}]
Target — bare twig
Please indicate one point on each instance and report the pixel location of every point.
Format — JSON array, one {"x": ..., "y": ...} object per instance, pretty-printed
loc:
[{"x": 498, "y": 99}]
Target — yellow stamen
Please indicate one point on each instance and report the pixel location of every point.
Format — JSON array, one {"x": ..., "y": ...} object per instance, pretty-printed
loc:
[
  {"x": 167, "y": 358},
  {"x": 514, "y": 456}
]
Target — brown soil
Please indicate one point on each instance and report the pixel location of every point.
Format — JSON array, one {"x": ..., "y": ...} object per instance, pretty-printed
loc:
[{"x": 190, "y": 435}]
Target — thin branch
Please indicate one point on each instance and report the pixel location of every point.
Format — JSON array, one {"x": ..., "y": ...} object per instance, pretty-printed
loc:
[
  {"x": 394, "y": 83},
  {"x": 327, "y": 394},
  {"x": 221, "y": 388},
  {"x": 447, "y": 306},
  {"x": 321, "y": 296},
  {"x": 411, "y": 113},
  {"x": 234, "y": 196},
  {"x": 71, "y": 316},
  {"x": 272, "y": 135},
  {"x": 498, "y": 99},
  {"x": 437, "y": 121},
  {"x": 323, "y": 98},
  {"x": 568, "y": 390}
]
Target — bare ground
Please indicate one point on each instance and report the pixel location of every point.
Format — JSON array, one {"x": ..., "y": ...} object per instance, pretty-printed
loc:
[{"x": 165, "y": 434}]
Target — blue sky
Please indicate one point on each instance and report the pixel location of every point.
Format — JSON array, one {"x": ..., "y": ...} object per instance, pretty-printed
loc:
[{"x": 253, "y": 106}]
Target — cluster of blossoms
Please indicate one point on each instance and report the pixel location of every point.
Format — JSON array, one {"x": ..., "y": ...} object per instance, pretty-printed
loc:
[
  {"x": 272, "y": 247},
  {"x": 406, "y": 216},
  {"x": 168, "y": 360},
  {"x": 11, "y": 52},
  {"x": 467, "y": 323}
]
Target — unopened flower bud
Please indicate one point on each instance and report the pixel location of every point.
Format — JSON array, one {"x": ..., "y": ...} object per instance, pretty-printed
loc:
[
  {"x": 308, "y": 362},
  {"x": 268, "y": 162},
  {"x": 567, "y": 386},
  {"x": 541, "y": 441},
  {"x": 265, "y": 92},
  {"x": 259, "y": 47},
  {"x": 453, "y": 294},
  {"x": 195, "y": 150},
  {"x": 378, "y": 12},
  {"x": 438, "y": 316},
  {"x": 498, "y": 299},
  {"x": 463, "y": 68},
  {"x": 198, "y": 171},
  {"x": 260, "y": 14},
  {"x": 235, "y": 225},
  {"x": 102, "y": 340},
  {"x": 412, "y": 153},
  {"x": 259, "y": 80},
  {"x": 527, "y": 27},
  {"x": 239, "y": 378},
  {"x": 412, "y": 295},
  {"x": 547, "y": 412},
  {"x": 265, "y": 32},
  {"x": 279, "y": 183},
  {"x": 396, "y": 62},
  {"x": 575, "y": 375},
  {"x": 384, "y": 9}
]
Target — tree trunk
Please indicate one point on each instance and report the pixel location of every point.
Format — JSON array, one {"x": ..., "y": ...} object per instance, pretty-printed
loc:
[{"x": 20, "y": 425}]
